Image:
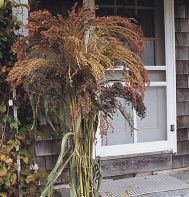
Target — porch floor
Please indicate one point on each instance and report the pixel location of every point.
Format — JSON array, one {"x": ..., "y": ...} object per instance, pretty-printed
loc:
[
  {"x": 149, "y": 186},
  {"x": 177, "y": 185}
]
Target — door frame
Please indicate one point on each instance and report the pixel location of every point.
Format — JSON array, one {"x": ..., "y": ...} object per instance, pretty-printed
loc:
[{"x": 170, "y": 65}]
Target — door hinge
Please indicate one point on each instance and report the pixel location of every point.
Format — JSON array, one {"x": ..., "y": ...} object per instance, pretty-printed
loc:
[{"x": 172, "y": 127}]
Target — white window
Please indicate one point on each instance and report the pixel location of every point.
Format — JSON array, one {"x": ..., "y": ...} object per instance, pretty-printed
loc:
[{"x": 157, "y": 132}]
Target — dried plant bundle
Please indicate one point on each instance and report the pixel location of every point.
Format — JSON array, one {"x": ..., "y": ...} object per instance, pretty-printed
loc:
[{"x": 63, "y": 63}]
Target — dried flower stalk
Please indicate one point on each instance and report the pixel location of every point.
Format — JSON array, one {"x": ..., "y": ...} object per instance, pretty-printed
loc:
[{"x": 69, "y": 74}]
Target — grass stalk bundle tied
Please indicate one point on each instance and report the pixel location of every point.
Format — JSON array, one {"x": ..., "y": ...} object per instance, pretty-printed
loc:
[{"x": 68, "y": 79}]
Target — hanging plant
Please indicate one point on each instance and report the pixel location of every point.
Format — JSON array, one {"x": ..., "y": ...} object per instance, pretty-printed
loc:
[{"x": 67, "y": 80}]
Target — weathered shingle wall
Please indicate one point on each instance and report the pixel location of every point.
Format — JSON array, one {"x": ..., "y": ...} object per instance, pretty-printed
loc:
[
  {"x": 46, "y": 152},
  {"x": 181, "y": 159}
]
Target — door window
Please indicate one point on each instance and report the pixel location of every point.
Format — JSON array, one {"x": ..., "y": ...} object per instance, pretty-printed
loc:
[{"x": 149, "y": 14}]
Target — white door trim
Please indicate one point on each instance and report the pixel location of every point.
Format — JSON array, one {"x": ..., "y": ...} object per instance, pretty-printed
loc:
[{"x": 171, "y": 71}]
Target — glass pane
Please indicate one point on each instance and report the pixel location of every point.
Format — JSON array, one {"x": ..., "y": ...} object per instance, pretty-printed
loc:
[
  {"x": 55, "y": 7},
  {"x": 146, "y": 21},
  {"x": 157, "y": 75},
  {"x": 153, "y": 126},
  {"x": 104, "y": 2},
  {"x": 159, "y": 33},
  {"x": 145, "y": 2},
  {"x": 126, "y": 2},
  {"x": 120, "y": 132},
  {"x": 128, "y": 13},
  {"x": 150, "y": 19},
  {"x": 149, "y": 53},
  {"x": 105, "y": 12}
]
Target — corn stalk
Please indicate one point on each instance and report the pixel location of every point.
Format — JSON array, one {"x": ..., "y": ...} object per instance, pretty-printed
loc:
[{"x": 83, "y": 182}]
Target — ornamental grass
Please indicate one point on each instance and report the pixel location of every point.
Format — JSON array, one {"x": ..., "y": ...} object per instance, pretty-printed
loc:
[{"x": 62, "y": 66}]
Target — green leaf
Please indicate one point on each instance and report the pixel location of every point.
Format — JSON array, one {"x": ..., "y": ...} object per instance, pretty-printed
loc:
[
  {"x": 2, "y": 194},
  {"x": 3, "y": 108},
  {"x": 19, "y": 22},
  {"x": 14, "y": 143},
  {"x": 9, "y": 119},
  {"x": 58, "y": 168},
  {"x": 30, "y": 178},
  {"x": 7, "y": 183},
  {"x": 3, "y": 171},
  {"x": 13, "y": 125},
  {"x": 25, "y": 172},
  {"x": 5, "y": 119},
  {"x": 13, "y": 178},
  {"x": 43, "y": 175},
  {"x": 25, "y": 159}
]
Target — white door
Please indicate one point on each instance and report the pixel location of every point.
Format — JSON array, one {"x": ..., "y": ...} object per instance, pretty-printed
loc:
[{"x": 157, "y": 132}]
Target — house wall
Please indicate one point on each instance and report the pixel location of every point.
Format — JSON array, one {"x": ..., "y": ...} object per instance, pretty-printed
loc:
[
  {"x": 47, "y": 150},
  {"x": 181, "y": 159}
]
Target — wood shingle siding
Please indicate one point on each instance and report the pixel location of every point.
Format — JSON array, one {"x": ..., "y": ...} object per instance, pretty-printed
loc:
[
  {"x": 182, "y": 135},
  {"x": 180, "y": 11},
  {"x": 183, "y": 108},
  {"x": 182, "y": 94},
  {"x": 48, "y": 162},
  {"x": 183, "y": 147},
  {"x": 182, "y": 81},
  {"x": 182, "y": 67},
  {"x": 182, "y": 39},
  {"x": 117, "y": 166},
  {"x": 182, "y": 25},
  {"x": 182, "y": 122},
  {"x": 182, "y": 53},
  {"x": 180, "y": 109},
  {"x": 181, "y": 159},
  {"x": 47, "y": 147},
  {"x": 187, "y": 8}
]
